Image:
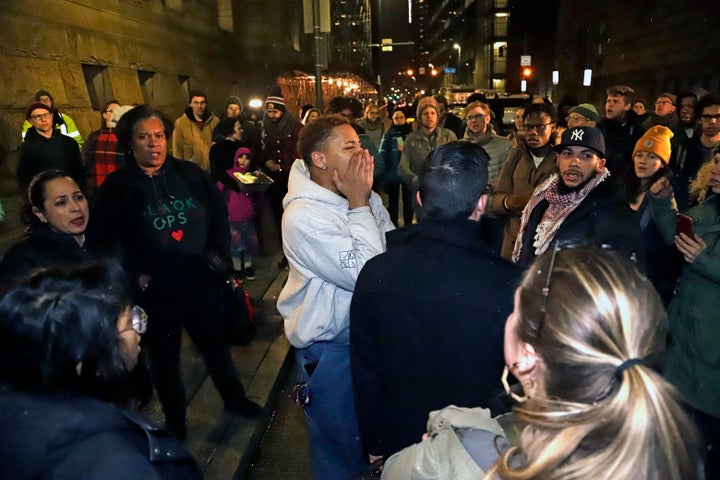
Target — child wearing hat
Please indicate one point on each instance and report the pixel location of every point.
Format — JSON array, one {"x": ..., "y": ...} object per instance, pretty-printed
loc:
[{"x": 243, "y": 239}]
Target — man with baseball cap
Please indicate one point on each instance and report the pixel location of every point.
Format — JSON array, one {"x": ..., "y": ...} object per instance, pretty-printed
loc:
[{"x": 579, "y": 203}]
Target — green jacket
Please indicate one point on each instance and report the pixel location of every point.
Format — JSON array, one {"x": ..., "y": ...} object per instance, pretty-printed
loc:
[
  {"x": 693, "y": 362},
  {"x": 418, "y": 145},
  {"x": 444, "y": 455}
]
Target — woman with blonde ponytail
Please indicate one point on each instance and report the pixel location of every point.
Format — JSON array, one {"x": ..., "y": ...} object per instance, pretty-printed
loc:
[{"x": 583, "y": 340}]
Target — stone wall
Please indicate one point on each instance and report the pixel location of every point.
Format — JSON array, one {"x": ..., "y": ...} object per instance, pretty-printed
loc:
[{"x": 171, "y": 45}]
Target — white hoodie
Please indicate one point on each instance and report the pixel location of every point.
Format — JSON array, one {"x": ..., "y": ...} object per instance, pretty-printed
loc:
[{"x": 326, "y": 245}]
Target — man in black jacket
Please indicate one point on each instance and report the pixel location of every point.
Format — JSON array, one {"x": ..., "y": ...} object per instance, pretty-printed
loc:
[
  {"x": 45, "y": 148},
  {"x": 580, "y": 203},
  {"x": 427, "y": 317}
]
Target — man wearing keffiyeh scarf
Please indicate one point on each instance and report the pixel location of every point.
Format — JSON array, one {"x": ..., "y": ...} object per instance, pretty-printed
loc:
[{"x": 580, "y": 203}]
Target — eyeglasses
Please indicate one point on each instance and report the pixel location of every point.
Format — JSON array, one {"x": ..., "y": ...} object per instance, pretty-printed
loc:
[
  {"x": 662, "y": 102},
  {"x": 41, "y": 116},
  {"x": 576, "y": 118},
  {"x": 707, "y": 118},
  {"x": 139, "y": 320},
  {"x": 472, "y": 118},
  {"x": 538, "y": 128}
]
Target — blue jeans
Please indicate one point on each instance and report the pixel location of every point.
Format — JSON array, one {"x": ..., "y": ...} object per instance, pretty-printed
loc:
[{"x": 335, "y": 447}]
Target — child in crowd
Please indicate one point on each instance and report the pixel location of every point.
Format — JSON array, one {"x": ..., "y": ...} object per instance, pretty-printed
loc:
[{"x": 243, "y": 240}]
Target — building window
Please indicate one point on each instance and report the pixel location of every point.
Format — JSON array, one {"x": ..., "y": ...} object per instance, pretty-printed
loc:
[
  {"x": 98, "y": 85},
  {"x": 147, "y": 85}
]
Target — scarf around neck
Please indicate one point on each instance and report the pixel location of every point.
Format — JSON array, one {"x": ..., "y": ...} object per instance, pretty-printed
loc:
[{"x": 560, "y": 206}]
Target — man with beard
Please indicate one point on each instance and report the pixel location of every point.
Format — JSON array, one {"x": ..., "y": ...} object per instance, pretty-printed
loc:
[
  {"x": 526, "y": 167},
  {"x": 579, "y": 203},
  {"x": 420, "y": 143},
  {"x": 279, "y": 136}
]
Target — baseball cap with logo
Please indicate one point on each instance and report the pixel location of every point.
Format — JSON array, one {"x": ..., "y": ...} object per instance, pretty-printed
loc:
[{"x": 589, "y": 137}]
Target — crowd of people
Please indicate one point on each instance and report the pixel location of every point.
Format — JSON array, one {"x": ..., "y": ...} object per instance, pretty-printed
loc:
[{"x": 525, "y": 306}]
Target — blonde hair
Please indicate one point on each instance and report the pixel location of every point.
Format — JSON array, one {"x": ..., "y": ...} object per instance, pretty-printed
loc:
[
  {"x": 700, "y": 186},
  {"x": 597, "y": 420}
]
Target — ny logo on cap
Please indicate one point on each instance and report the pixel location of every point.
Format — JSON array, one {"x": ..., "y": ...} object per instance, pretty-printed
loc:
[{"x": 577, "y": 135}]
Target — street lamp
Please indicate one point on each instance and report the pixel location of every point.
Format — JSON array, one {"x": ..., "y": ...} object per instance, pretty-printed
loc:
[{"x": 459, "y": 49}]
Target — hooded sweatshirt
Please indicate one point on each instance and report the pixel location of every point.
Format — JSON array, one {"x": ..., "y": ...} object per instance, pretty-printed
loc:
[{"x": 326, "y": 244}]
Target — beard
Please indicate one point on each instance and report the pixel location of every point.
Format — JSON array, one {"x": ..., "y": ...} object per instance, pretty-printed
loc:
[{"x": 563, "y": 189}]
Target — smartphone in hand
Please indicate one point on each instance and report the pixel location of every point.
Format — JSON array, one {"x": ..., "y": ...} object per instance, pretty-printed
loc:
[{"x": 684, "y": 225}]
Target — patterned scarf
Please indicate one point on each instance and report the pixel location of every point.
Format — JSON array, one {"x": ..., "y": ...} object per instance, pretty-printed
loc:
[{"x": 560, "y": 207}]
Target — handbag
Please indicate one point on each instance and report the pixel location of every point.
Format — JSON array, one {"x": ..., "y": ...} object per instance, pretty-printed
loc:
[{"x": 237, "y": 312}]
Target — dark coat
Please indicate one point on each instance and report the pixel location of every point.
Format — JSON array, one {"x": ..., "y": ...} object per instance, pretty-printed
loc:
[
  {"x": 77, "y": 437},
  {"x": 58, "y": 152},
  {"x": 426, "y": 330},
  {"x": 46, "y": 248},
  {"x": 620, "y": 140},
  {"x": 602, "y": 218},
  {"x": 169, "y": 224}
]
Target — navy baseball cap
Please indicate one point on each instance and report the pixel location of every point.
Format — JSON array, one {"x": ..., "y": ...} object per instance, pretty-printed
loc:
[{"x": 588, "y": 137}]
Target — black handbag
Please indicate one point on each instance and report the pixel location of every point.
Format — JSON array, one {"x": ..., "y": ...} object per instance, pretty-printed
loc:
[{"x": 237, "y": 312}]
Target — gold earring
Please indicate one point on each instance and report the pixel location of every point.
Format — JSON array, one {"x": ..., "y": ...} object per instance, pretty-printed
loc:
[{"x": 506, "y": 385}]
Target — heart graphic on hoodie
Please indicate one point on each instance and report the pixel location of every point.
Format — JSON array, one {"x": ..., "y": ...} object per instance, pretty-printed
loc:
[{"x": 177, "y": 235}]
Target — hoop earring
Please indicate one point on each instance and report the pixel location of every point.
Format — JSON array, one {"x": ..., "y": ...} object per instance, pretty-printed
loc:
[{"x": 508, "y": 389}]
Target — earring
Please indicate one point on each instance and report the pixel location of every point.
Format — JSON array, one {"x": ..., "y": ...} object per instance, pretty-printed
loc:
[
  {"x": 324, "y": 167},
  {"x": 508, "y": 389}
]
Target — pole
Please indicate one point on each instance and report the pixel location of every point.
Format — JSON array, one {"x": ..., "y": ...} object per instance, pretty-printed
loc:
[{"x": 318, "y": 65}]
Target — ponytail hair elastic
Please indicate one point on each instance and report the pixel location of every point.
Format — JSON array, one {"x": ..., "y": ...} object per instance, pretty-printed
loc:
[{"x": 629, "y": 363}]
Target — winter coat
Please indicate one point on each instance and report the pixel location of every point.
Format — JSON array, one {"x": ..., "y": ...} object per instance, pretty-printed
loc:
[
  {"x": 417, "y": 147},
  {"x": 326, "y": 245},
  {"x": 462, "y": 444},
  {"x": 448, "y": 297},
  {"x": 693, "y": 359},
  {"x": 38, "y": 153},
  {"x": 387, "y": 171},
  {"x": 495, "y": 146},
  {"x": 620, "y": 140},
  {"x": 192, "y": 142},
  {"x": 70, "y": 436},
  {"x": 602, "y": 218},
  {"x": 279, "y": 143},
  {"x": 240, "y": 206},
  {"x": 47, "y": 248},
  {"x": 516, "y": 182}
]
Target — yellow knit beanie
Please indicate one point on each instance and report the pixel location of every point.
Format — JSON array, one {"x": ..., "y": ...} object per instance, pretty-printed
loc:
[{"x": 656, "y": 140}]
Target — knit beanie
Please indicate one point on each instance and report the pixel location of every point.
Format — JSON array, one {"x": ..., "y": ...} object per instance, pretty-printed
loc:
[
  {"x": 35, "y": 106},
  {"x": 427, "y": 102},
  {"x": 656, "y": 140},
  {"x": 233, "y": 100},
  {"x": 587, "y": 110},
  {"x": 669, "y": 96},
  {"x": 275, "y": 103},
  {"x": 44, "y": 93}
]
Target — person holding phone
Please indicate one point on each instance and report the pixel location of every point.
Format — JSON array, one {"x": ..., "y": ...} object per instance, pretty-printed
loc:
[
  {"x": 650, "y": 167},
  {"x": 693, "y": 363}
]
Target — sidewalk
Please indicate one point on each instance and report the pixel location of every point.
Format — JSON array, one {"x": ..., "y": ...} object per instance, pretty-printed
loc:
[{"x": 223, "y": 443}]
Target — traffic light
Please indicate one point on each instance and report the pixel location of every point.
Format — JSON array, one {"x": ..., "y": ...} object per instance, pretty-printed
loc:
[{"x": 526, "y": 73}]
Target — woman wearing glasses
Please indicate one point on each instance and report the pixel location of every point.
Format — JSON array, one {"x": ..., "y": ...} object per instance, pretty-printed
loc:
[
  {"x": 66, "y": 348},
  {"x": 525, "y": 167},
  {"x": 586, "y": 331}
]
